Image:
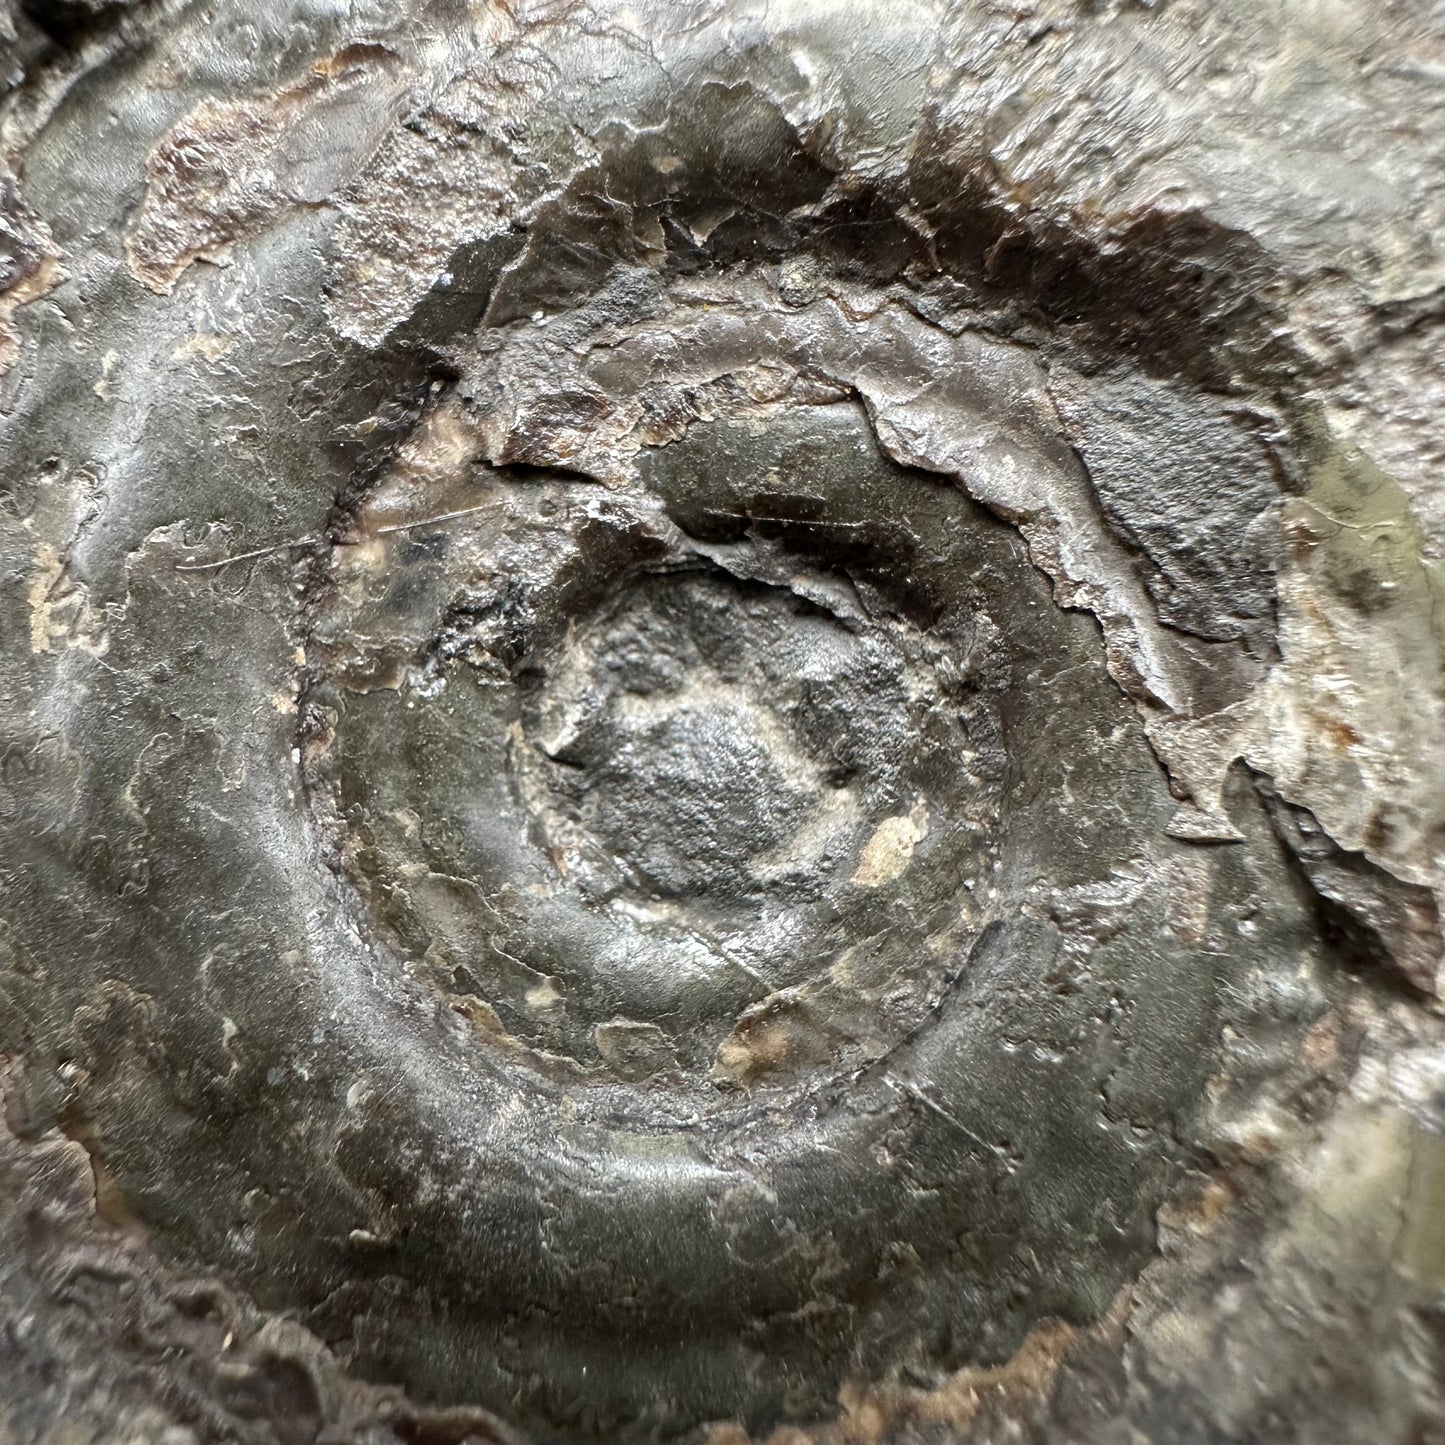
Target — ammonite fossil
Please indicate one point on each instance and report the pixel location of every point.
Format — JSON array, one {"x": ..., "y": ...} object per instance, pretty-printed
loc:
[{"x": 722, "y": 721}]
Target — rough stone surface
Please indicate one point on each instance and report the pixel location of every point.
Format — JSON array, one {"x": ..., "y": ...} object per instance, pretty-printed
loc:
[{"x": 722, "y": 721}]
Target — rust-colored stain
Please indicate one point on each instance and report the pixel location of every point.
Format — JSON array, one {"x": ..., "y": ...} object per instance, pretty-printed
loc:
[{"x": 1341, "y": 734}]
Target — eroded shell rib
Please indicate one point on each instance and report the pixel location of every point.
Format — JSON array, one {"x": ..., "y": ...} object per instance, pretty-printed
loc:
[{"x": 724, "y": 719}]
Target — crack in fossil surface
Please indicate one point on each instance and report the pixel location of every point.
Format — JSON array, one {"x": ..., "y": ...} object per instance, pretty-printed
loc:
[{"x": 724, "y": 722}]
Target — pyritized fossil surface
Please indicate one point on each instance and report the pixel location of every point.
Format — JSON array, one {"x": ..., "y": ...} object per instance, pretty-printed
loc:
[{"x": 722, "y": 722}]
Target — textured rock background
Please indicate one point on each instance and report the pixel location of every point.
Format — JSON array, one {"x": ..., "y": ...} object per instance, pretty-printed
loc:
[{"x": 722, "y": 721}]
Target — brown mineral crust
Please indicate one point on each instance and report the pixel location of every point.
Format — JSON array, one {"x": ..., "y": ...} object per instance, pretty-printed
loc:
[
  {"x": 973, "y": 1404},
  {"x": 29, "y": 263},
  {"x": 231, "y": 168}
]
